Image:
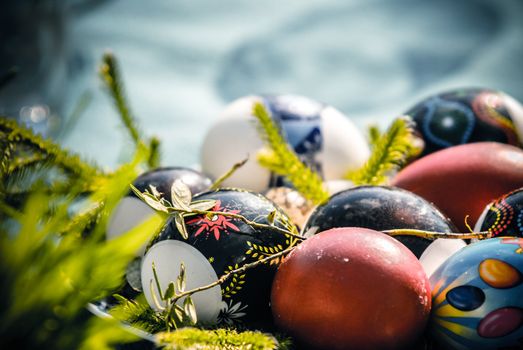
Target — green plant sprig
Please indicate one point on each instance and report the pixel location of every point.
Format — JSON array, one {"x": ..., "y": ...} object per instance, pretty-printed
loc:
[
  {"x": 217, "y": 339},
  {"x": 110, "y": 74},
  {"x": 15, "y": 136},
  {"x": 183, "y": 207},
  {"x": 281, "y": 159},
  {"x": 390, "y": 151}
]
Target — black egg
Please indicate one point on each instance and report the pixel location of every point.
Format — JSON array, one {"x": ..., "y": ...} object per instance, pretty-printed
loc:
[
  {"x": 216, "y": 245},
  {"x": 464, "y": 116},
  {"x": 381, "y": 208},
  {"x": 504, "y": 216},
  {"x": 131, "y": 211}
]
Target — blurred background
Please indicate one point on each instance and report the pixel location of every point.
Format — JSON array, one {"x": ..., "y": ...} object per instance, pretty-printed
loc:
[{"x": 184, "y": 60}]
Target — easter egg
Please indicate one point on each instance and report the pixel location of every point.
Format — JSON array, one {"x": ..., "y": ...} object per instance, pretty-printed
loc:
[
  {"x": 216, "y": 245},
  {"x": 438, "y": 252},
  {"x": 504, "y": 216},
  {"x": 465, "y": 116},
  {"x": 297, "y": 207},
  {"x": 380, "y": 208},
  {"x": 345, "y": 289},
  {"x": 462, "y": 180},
  {"x": 324, "y": 139},
  {"x": 131, "y": 211},
  {"x": 476, "y": 295}
]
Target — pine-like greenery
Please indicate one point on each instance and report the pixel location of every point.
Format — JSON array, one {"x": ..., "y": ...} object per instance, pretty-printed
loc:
[
  {"x": 282, "y": 160},
  {"x": 390, "y": 151},
  {"x": 218, "y": 339}
]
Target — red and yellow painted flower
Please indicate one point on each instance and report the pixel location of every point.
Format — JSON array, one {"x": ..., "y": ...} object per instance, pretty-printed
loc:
[{"x": 215, "y": 224}]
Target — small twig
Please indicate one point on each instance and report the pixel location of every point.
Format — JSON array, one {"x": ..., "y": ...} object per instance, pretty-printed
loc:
[
  {"x": 232, "y": 170},
  {"x": 229, "y": 274},
  {"x": 247, "y": 221},
  {"x": 435, "y": 235}
]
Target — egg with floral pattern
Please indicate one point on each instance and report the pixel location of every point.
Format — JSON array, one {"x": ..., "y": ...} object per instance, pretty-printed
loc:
[{"x": 217, "y": 244}]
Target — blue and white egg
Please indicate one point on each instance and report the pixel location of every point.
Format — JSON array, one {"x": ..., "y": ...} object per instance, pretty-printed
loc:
[{"x": 325, "y": 139}]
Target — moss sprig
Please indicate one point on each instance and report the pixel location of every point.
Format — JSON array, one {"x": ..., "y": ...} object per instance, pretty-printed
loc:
[
  {"x": 281, "y": 159},
  {"x": 390, "y": 151}
]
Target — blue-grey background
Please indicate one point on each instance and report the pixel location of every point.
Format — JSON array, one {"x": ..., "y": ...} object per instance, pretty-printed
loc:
[{"x": 184, "y": 60}]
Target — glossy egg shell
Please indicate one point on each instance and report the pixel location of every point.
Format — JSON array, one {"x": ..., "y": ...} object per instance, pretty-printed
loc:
[
  {"x": 462, "y": 180},
  {"x": 344, "y": 289},
  {"x": 477, "y": 297},
  {"x": 465, "y": 116},
  {"x": 381, "y": 208},
  {"x": 131, "y": 211},
  {"x": 504, "y": 216},
  {"x": 325, "y": 139},
  {"x": 221, "y": 244}
]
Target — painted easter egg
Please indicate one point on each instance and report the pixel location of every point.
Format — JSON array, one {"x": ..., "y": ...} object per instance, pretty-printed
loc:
[
  {"x": 462, "y": 180},
  {"x": 465, "y": 116},
  {"x": 504, "y": 216},
  {"x": 216, "y": 245},
  {"x": 380, "y": 208},
  {"x": 131, "y": 211},
  {"x": 476, "y": 295},
  {"x": 344, "y": 289},
  {"x": 324, "y": 139}
]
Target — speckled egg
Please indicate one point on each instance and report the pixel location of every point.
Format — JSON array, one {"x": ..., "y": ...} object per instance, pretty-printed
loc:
[
  {"x": 218, "y": 244},
  {"x": 465, "y": 116},
  {"x": 504, "y": 216},
  {"x": 380, "y": 208},
  {"x": 325, "y": 139},
  {"x": 477, "y": 297},
  {"x": 462, "y": 180}
]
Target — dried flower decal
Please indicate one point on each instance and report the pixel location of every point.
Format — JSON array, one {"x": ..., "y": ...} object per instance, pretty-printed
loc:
[{"x": 215, "y": 223}]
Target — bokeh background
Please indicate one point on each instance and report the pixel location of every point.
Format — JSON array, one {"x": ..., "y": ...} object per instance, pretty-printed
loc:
[{"x": 184, "y": 60}]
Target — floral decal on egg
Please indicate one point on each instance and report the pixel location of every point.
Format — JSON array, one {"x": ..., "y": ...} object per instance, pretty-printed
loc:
[{"x": 215, "y": 223}]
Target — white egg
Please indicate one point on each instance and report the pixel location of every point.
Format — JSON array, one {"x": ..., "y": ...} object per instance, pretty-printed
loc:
[
  {"x": 129, "y": 213},
  {"x": 335, "y": 186},
  {"x": 438, "y": 252},
  {"x": 167, "y": 256},
  {"x": 322, "y": 136}
]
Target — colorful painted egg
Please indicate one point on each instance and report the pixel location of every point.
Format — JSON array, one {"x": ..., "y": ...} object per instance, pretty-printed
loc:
[
  {"x": 466, "y": 116},
  {"x": 462, "y": 180},
  {"x": 477, "y": 297},
  {"x": 351, "y": 288},
  {"x": 504, "y": 216},
  {"x": 218, "y": 244},
  {"x": 380, "y": 208},
  {"x": 325, "y": 139}
]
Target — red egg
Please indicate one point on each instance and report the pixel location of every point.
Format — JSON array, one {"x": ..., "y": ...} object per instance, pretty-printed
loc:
[
  {"x": 462, "y": 180},
  {"x": 351, "y": 288}
]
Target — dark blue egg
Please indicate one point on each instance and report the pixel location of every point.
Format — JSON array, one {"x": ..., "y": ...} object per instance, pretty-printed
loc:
[
  {"x": 465, "y": 116},
  {"x": 465, "y": 298},
  {"x": 381, "y": 208}
]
